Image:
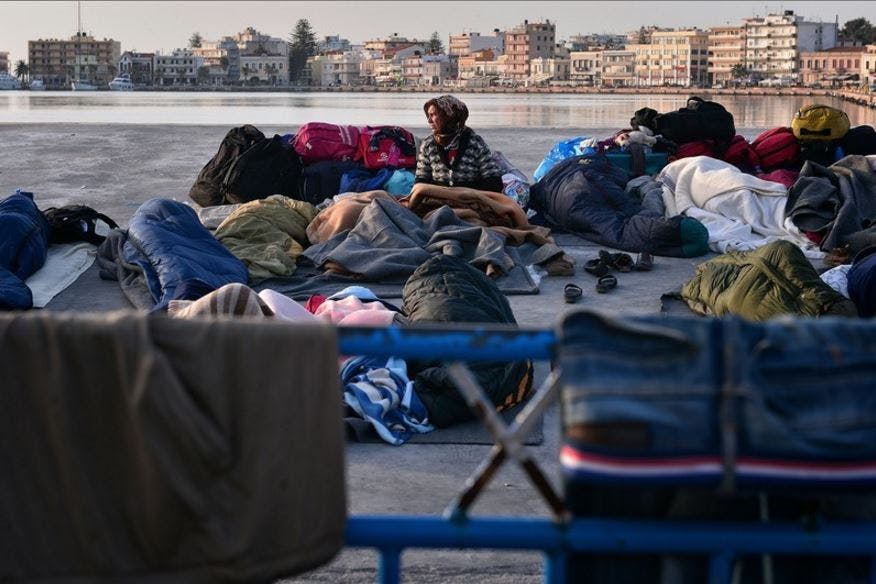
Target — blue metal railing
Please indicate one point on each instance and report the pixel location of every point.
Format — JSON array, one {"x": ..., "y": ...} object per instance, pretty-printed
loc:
[{"x": 722, "y": 542}]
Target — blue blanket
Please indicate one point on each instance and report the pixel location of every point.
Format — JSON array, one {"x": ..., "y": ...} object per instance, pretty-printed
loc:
[{"x": 24, "y": 244}]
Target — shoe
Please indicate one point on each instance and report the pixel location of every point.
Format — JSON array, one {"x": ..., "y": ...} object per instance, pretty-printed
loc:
[
  {"x": 597, "y": 267},
  {"x": 571, "y": 293},
  {"x": 644, "y": 262},
  {"x": 606, "y": 283},
  {"x": 622, "y": 262}
]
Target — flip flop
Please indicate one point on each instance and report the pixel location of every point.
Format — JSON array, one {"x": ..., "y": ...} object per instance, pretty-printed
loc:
[
  {"x": 597, "y": 267},
  {"x": 622, "y": 262},
  {"x": 572, "y": 292},
  {"x": 605, "y": 283},
  {"x": 644, "y": 262}
]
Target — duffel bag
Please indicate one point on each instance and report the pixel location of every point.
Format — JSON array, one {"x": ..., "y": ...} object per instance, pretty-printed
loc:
[
  {"x": 697, "y": 148},
  {"x": 317, "y": 141},
  {"x": 699, "y": 120},
  {"x": 777, "y": 148},
  {"x": 820, "y": 122},
  {"x": 266, "y": 168},
  {"x": 387, "y": 146}
]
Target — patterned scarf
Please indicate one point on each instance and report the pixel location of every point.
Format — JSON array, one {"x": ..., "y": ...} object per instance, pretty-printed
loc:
[{"x": 451, "y": 122}]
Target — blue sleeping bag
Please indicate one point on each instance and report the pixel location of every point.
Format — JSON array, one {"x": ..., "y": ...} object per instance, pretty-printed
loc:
[
  {"x": 176, "y": 252},
  {"x": 24, "y": 245}
]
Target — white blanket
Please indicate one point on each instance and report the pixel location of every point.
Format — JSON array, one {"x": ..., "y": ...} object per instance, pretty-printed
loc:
[
  {"x": 64, "y": 264},
  {"x": 740, "y": 211}
]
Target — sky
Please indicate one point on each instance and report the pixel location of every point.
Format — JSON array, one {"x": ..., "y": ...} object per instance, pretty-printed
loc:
[{"x": 166, "y": 25}]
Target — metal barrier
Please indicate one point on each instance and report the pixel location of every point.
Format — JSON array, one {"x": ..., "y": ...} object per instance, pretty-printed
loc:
[{"x": 721, "y": 542}]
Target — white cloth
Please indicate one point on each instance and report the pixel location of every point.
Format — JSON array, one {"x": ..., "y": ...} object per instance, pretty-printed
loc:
[
  {"x": 284, "y": 307},
  {"x": 65, "y": 262},
  {"x": 838, "y": 278},
  {"x": 740, "y": 211}
]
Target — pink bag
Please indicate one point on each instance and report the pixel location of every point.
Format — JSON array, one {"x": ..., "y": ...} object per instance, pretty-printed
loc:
[
  {"x": 387, "y": 146},
  {"x": 316, "y": 141}
]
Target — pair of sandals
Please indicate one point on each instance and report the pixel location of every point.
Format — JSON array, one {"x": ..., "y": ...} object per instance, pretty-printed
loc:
[
  {"x": 622, "y": 262},
  {"x": 573, "y": 292}
]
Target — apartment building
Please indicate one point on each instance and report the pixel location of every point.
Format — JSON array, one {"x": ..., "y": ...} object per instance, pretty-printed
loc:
[
  {"x": 4, "y": 62},
  {"x": 333, "y": 44},
  {"x": 438, "y": 68},
  {"x": 222, "y": 58},
  {"x": 773, "y": 43},
  {"x": 675, "y": 57},
  {"x": 475, "y": 64},
  {"x": 618, "y": 68},
  {"x": 180, "y": 68},
  {"x": 585, "y": 68},
  {"x": 138, "y": 66},
  {"x": 463, "y": 45},
  {"x": 868, "y": 65},
  {"x": 726, "y": 49},
  {"x": 336, "y": 70},
  {"x": 412, "y": 69},
  {"x": 526, "y": 42},
  {"x": 59, "y": 61},
  {"x": 589, "y": 42},
  {"x": 389, "y": 46},
  {"x": 832, "y": 68}
]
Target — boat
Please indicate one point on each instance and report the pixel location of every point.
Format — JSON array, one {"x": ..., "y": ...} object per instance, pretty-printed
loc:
[
  {"x": 122, "y": 83},
  {"x": 82, "y": 85},
  {"x": 37, "y": 85},
  {"x": 7, "y": 81}
]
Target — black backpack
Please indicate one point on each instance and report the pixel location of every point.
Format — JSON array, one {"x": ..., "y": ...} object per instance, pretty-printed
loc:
[
  {"x": 266, "y": 168},
  {"x": 859, "y": 140},
  {"x": 824, "y": 152},
  {"x": 208, "y": 190},
  {"x": 72, "y": 223},
  {"x": 699, "y": 120}
]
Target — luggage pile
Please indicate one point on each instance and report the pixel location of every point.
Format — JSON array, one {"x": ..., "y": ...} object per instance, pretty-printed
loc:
[{"x": 318, "y": 162}]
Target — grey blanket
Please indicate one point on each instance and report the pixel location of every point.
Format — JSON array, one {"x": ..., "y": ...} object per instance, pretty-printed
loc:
[
  {"x": 146, "y": 448},
  {"x": 389, "y": 242},
  {"x": 839, "y": 201}
]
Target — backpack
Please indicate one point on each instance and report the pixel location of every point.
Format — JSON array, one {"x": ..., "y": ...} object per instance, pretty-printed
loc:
[
  {"x": 859, "y": 140},
  {"x": 316, "y": 141},
  {"x": 777, "y": 148},
  {"x": 740, "y": 154},
  {"x": 820, "y": 122},
  {"x": 322, "y": 180},
  {"x": 207, "y": 190},
  {"x": 698, "y": 120},
  {"x": 823, "y": 152},
  {"x": 72, "y": 223},
  {"x": 644, "y": 117},
  {"x": 382, "y": 146},
  {"x": 266, "y": 168}
]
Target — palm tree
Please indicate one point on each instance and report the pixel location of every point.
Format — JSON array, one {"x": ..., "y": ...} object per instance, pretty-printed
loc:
[{"x": 22, "y": 70}]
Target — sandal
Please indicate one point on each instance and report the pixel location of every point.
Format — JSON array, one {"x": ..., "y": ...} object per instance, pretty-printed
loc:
[
  {"x": 606, "y": 283},
  {"x": 644, "y": 262},
  {"x": 597, "y": 267},
  {"x": 622, "y": 262},
  {"x": 572, "y": 292}
]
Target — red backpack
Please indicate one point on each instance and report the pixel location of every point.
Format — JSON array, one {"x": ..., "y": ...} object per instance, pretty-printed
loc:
[
  {"x": 316, "y": 141},
  {"x": 697, "y": 148},
  {"x": 777, "y": 148},
  {"x": 382, "y": 146},
  {"x": 740, "y": 154}
]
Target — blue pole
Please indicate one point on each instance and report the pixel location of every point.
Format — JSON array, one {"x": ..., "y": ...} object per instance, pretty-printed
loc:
[{"x": 389, "y": 568}]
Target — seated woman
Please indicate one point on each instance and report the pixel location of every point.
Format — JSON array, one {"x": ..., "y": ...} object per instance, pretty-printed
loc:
[{"x": 454, "y": 156}]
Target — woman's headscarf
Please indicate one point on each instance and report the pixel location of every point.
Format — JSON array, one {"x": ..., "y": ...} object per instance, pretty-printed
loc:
[{"x": 454, "y": 113}]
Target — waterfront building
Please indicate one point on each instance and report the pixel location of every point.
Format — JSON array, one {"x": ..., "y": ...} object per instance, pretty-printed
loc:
[
  {"x": 412, "y": 69},
  {"x": 474, "y": 65},
  {"x": 4, "y": 62},
  {"x": 388, "y": 47},
  {"x": 138, "y": 66},
  {"x": 585, "y": 68},
  {"x": 618, "y": 68},
  {"x": 178, "y": 69},
  {"x": 589, "y": 42},
  {"x": 868, "y": 65},
  {"x": 438, "y": 69},
  {"x": 336, "y": 70},
  {"x": 59, "y": 61},
  {"x": 773, "y": 44},
  {"x": 463, "y": 45},
  {"x": 526, "y": 42},
  {"x": 222, "y": 60},
  {"x": 673, "y": 57},
  {"x": 836, "y": 67},
  {"x": 726, "y": 50}
]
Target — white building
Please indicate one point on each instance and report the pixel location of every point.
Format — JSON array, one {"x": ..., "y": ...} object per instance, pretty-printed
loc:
[
  {"x": 178, "y": 68},
  {"x": 342, "y": 70},
  {"x": 673, "y": 57},
  {"x": 773, "y": 43},
  {"x": 463, "y": 45}
]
